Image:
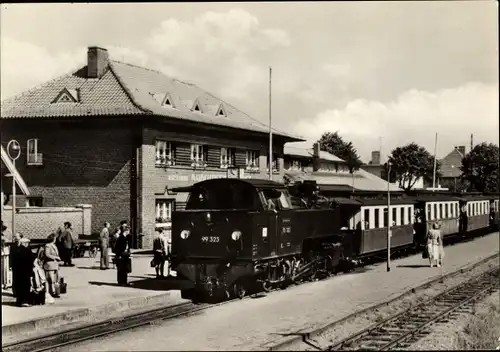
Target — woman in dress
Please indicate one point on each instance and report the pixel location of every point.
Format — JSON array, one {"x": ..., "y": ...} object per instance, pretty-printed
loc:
[
  {"x": 434, "y": 245},
  {"x": 51, "y": 264}
]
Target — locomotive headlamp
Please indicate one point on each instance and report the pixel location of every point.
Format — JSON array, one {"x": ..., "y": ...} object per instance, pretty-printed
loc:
[
  {"x": 236, "y": 235},
  {"x": 208, "y": 217},
  {"x": 185, "y": 234}
]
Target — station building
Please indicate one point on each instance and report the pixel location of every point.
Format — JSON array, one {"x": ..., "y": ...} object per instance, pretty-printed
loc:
[
  {"x": 329, "y": 171},
  {"x": 120, "y": 137}
]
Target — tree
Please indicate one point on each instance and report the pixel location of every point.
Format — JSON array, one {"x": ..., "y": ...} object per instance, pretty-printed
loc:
[
  {"x": 334, "y": 144},
  {"x": 410, "y": 163},
  {"x": 480, "y": 167}
]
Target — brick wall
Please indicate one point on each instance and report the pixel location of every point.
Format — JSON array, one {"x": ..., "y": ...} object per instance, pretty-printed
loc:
[
  {"x": 84, "y": 162},
  {"x": 38, "y": 223},
  {"x": 154, "y": 180}
]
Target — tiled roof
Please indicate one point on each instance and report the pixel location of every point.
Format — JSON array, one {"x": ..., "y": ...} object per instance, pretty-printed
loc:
[
  {"x": 128, "y": 90},
  {"x": 451, "y": 164},
  {"x": 308, "y": 153}
]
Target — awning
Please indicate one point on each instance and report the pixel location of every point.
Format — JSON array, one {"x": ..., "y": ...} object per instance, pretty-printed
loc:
[
  {"x": 346, "y": 201},
  {"x": 186, "y": 189},
  {"x": 12, "y": 170}
]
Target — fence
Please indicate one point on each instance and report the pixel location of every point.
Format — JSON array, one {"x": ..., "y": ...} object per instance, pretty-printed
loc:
[{"x": 36, "y": 223}]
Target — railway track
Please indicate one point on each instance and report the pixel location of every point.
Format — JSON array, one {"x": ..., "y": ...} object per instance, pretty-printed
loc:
[
  {"x": 91, "y": 331},
  {"x": 402, "y": 329}
]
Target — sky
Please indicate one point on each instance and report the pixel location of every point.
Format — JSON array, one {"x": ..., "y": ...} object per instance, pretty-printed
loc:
[{"x": 382, "y": 74}]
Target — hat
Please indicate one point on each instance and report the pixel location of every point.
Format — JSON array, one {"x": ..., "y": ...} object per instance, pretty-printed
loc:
[
  {"x": 24, "y": 240},
  {"x": 435, "y": 226}
]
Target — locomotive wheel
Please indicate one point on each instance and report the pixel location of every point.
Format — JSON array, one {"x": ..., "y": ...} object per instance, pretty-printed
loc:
[
  {"x": 239, "y": 290},
  {"x": 266, "y": 286}
]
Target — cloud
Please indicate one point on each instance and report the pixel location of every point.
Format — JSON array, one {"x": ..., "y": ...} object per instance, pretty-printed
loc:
[
  {"x": 224, "y": 52},
  {"x": 26, "y": 65},
  {"x": 414, "y": 116}
]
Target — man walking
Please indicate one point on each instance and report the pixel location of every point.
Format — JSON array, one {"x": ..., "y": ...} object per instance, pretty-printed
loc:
[
  {"x": 68, "y": 243},
  {"x": 104, "y": 244}
]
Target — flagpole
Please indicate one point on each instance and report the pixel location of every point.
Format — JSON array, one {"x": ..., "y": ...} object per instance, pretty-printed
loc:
[
  {"x": 435, "y": 164},
  {"x": 270, "y": 131}
]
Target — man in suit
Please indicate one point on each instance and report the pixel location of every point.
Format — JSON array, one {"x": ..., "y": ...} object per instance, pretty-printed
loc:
[
  {"x": 122, "y": 252},
  {"x": 104, "y": 244},
  {"x": 68, "y": 244}
]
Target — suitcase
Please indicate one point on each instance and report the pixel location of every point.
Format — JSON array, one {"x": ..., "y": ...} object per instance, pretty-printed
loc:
[
  {"x": 38, "y": 298},
  {"x": 63, "y": 287}
]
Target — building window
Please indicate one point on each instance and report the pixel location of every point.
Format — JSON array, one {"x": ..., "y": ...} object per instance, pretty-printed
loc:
[
  {"x": 252, "y": 160},
  {"x": 367, "y": 219},
  {"x": 198, "y": 155},
  {"x": 226, "y": 157},
  {"x": 165, "y": 153},
  {"x": 275, "y": 163},
  {"x": 164, "y": 209},
  {"x": 35, "y": 202},
  {"x": 33, "y": 156}
]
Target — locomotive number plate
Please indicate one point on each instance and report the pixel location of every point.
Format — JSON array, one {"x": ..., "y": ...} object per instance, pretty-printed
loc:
[{"x": 210, "y": 239}]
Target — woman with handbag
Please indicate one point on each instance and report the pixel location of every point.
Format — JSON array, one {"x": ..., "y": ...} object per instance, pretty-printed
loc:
[
  {"x": 434, "y": 245},
  {"x": 51, "y": 261}
]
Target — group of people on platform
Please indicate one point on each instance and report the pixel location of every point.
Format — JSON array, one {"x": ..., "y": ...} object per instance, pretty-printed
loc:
[{"x": 35, "y": 276}]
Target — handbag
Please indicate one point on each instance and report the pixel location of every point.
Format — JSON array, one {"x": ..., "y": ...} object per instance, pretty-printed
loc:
[{"x": 152, "y": 263}]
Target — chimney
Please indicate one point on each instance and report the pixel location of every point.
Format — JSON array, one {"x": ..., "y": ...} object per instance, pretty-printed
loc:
[
  {"x": 316, "y": 157},
  {"x": 97, "y": 62},
  {"x": 375, "y": 157},
  {"x": 461, "y": 149},
  {"x": 316, "y": 150}
]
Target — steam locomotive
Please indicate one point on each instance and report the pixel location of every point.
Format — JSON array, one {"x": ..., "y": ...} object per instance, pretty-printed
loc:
[{"x": 237, "y": 236}]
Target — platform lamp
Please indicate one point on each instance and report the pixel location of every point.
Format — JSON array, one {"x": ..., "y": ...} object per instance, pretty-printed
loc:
[
  {"x": 14, "y": 152},
  {"x": 389, "y": 234}
]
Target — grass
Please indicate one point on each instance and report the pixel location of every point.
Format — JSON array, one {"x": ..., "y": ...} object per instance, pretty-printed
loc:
[{"x": 482, "y": 332}]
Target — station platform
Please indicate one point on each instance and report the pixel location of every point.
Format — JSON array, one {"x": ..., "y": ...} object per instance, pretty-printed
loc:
[{"x": 93, "y": 295}]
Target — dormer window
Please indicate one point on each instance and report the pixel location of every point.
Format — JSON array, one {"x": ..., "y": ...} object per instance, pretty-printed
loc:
[
  {"x": 197, "y": 106},
  {"x": 67, "y": 96},
  {"x": 221, "y": 111}
]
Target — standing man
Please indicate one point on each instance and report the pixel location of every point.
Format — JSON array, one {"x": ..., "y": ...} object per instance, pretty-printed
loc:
[
  {"x": 122, "y": 252},
  {"x": 104, "y": 244},
  {"x": 68, "y": 243}
]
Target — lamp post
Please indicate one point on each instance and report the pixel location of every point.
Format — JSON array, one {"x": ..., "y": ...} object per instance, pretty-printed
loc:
[
  {"x": 389, "y": 216},
  {"x": 14, "y": 152}
]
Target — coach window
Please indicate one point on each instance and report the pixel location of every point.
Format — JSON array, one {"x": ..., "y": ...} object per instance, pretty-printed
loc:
[
  {"x": 377, "y": 218},
  {"x": 402, "y": 216},
  {"x": 436, "y": 214},
  {"x": 446, "y": 211},
  {"x": 386, "y": 218},
  {"x": 367, "y": 219},
  {"x": 456, "y": 209},
  {"x": 409, "y": 216},
  {"x": 429, "y": 212}
]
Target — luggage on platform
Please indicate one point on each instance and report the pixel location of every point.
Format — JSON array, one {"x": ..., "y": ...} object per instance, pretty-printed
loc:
[{"x": 63, "y": 287}]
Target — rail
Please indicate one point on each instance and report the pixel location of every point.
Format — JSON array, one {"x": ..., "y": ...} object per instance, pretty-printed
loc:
[
  {"x": 395, "y": 331},
  {"x": 306, "y": 336}
]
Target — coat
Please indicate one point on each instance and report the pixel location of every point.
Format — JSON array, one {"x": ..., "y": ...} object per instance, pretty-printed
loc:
[
  {"x": 51, "y": 256},
  {"x": 67, "y": 239},
  {"x": 104, "y": 238},
  {"x": 121, "y": 245}
]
